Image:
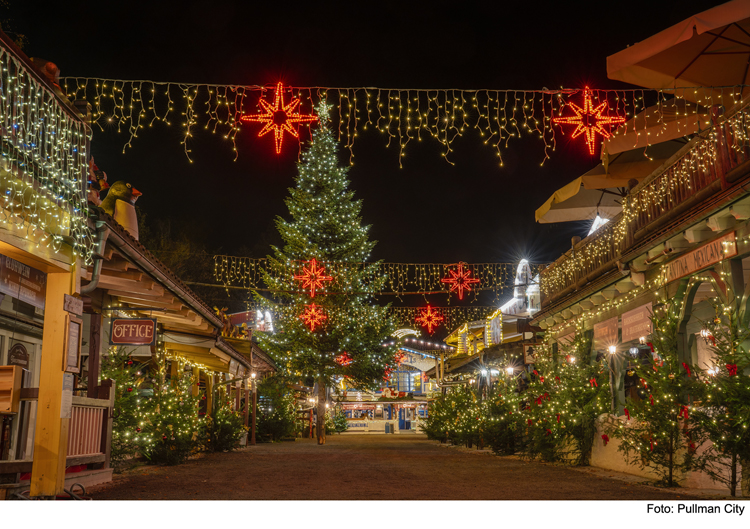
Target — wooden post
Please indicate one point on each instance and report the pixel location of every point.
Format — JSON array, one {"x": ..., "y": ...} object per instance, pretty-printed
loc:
[
  {"x": 107, "y": 386},
  {"x": 197, "y": 376},
  {"x": 247, "y": 405},
  {"x": 237, "y": 396},
  {"x": 255, "y": 405},
  {"x": 51, "y": 433},
  {"x": 95, "y": 351},
  {"x": 209, "y": 395}
]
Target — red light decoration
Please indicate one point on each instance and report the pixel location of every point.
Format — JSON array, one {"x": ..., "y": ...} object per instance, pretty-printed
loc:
[
  {"x": 399, "y": 357},
  {"x": 313, "y": 277},
  {"x": 279, "y": 117},
  {"x": 429, "y": 318},
  {"x": 589, "y": 120},
  {"x": 460, "y": 280},
  {"x": 344, "y": 359},
  {"x": 313, "y": 316}
]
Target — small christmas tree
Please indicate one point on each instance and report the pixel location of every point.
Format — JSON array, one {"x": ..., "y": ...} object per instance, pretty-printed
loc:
[
  {"x": 659, "y": 430},
  {"x": 277, "y": 408},
  {"x": 724, "y": 411},
  {"x": 505, "y": 429},
  {"x": 328, "y": 325}
]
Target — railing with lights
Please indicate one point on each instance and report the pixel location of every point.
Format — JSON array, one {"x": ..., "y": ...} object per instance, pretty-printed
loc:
[
  {"x": 702, "y": 170},
  {"x": 43, "y": 158}
]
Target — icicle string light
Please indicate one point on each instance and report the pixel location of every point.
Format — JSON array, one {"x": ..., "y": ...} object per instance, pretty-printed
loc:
[
  {"x": 44, "y": 162},
  {"x": 401, "y": 115}
]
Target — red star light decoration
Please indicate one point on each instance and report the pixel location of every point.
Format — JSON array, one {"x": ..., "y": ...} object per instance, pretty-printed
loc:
[
  {"x": 313, "y": 316},
  {"x": 344, "y": 359},
  {"x": 429, "y": 318},
  {"x": 589, "y": 120},
  {"x": 279, "y": 117},
  {"x": 313, "y": 277},
  {"x": 460, "y": 280}
]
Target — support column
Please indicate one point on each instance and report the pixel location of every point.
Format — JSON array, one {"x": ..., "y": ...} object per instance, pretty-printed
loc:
[
  {"x": 196, "y": 382},
  {"x": 247, "y": 404},
  {"x": 51, "y": 434},
  {"x": 95, "y": 351},
  {"x": 209, "y": 395}
]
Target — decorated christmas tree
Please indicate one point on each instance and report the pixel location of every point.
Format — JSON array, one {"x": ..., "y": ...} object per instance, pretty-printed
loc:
[
  {"x": 724, "y": 411},
  {"x": 328, "y": 327},
  {"x": 660, "y": 430}
]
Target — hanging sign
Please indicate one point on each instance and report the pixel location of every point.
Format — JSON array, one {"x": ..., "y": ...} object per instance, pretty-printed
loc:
[
  {"x": 708, "y": 254},
  {"x": 132, "y": 331},
  {"x": 22, "y": 282},
  {"x": 605, "y": 334},
  {"x": 72, "y": 305},
  {"x": 636, "y": 323},
  {"x": 18, "y": 356}
]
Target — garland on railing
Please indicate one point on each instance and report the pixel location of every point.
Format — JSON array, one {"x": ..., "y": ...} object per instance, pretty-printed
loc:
[
  {"x": 44, "y": 161},
  {"x": 402, "y": 114},
  {"x": 651, "y": 200},
  {"x": 402, "y": 278}
]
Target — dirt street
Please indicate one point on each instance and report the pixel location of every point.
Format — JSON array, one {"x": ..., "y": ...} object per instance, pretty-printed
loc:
[{"x": 369, "y": 467}]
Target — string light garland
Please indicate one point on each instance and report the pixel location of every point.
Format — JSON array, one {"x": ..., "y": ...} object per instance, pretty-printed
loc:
[
  {"x": 43, "y": 162},
  {"x": 279, "y": 117},
  {"x": 401, "y": 115},
  {"x": 313, "y": 277},
  {"x": 400, "y": 278},
  {"x": 589, "y": 121},
  {"x": 429, "y": 318}
]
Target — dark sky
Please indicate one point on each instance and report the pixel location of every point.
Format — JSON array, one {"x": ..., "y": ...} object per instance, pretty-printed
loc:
[{"x": 429, "y": 211}]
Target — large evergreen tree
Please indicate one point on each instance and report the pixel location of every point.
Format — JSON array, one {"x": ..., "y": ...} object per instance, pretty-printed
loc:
[{"x": 326, "y": 226}]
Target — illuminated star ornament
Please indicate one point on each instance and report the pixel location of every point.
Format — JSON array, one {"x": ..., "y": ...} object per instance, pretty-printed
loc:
[
  {"x": 279, "y": 117},
  {"x": 313, "y": 277},
  {"x": 460, "y": 280},
  {"x": 429, "y": 318},
  {"x": 344, "y": 359},
  {"x": 313, "y": 316},
  {"x": 589, "y": 120}
]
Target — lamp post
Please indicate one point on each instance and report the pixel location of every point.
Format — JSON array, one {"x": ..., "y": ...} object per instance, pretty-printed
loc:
[{"x": 255, "y": 401}]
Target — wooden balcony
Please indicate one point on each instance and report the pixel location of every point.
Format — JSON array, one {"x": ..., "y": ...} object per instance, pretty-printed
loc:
[{"x": 709, "y": 167}]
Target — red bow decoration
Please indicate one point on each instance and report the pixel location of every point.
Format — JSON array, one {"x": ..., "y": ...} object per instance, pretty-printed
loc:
[
  {"x": 529, "y": 421},
  {"x": 627, "y": 413},
  {"x": 732, "y": 368},
  {"x": 557, "y": 378},
  {"x": 643, "y": 383},
  {"x": 605, "y": 438},
  {"x": 651, "y": 439},
  {"x": 535, "y": 372},
  {"x": 687, "y": 368},
  {"x": 651, "y": 346},
  {"x": 684, "y": 412},
  {"x": 567, "y": 359},
  {"x": 651, "y": 398},
  {"x": 549, "y": 432},
  {"x": 593, "y": 382},
  {"x": 541, "y": 378},
  {"x": 654, "y": 366},
  {"x": 558, "y": 418},
  {"x": 539, "y": 400}
]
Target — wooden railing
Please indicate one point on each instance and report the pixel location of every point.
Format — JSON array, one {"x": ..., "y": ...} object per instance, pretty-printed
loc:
[{"x": 695, "y": 173}]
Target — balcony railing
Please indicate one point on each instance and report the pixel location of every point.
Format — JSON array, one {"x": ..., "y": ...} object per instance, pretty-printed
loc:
[
  {"x": 43, "y": 157},
  {"x": 700, "y": 170}
]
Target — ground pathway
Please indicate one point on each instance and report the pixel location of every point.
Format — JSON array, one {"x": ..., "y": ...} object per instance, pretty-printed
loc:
[{"x": 370, "y": 467}]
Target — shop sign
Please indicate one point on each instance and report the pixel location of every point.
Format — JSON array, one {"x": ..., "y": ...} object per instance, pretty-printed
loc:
[
  {"x": 605, "y": 333},
  {"x": 72, "y": 305},
  {"x": 132, "y": 331},
  {"x": 708, "y": 254},
  {"x": 636, "y": 323},
  {"x": 22, "y": 282},
  {"x": 18, "y": 356}
]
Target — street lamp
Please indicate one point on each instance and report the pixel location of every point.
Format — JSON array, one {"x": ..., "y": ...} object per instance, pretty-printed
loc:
[{"x": 255, "y": 401}]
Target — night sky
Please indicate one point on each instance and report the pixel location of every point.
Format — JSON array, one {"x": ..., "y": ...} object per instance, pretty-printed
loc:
[{"x": 429, "y": 211}]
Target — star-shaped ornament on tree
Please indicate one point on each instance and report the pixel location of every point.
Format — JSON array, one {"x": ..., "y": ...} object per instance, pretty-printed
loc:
[
  {"x": 313, "y": 316},
  {"x": 279, "y": 117},
  {"x": 460, "y": 280},
  {"x": 589, "y": 120},
  {"x": 313, "y": 277},
  {"x": 429, "y": 318}
]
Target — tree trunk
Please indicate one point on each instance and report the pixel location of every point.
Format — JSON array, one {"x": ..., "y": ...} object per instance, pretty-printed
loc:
[
  {"x": 733, "y": 479},
  {"x": 745, "y": 487},
  {"x": 320, "y": 425}
]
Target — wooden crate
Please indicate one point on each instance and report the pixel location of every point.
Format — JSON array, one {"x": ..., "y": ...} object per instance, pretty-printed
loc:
[{"x": 10, "y": 388}]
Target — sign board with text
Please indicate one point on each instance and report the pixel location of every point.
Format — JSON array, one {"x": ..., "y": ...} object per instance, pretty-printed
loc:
[
  {"x": 636, "y": 322},
  {"x": 700, "y": 258},
  {"x": 22, "y": 282},
  {"x": 132, "y": 331},
  {"x": 605, "y": 334}
]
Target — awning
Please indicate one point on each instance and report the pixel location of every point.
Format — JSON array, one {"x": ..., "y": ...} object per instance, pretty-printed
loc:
[
  {"x": 600, "y": 190},
  {"x": 710, "y": 49},
  {"x": 668, "y": 120}
]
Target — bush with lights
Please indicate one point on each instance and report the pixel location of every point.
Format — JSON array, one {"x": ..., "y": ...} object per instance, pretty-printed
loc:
[
  {"x": 224, "y": 427},
  {"x": 505, "y": 428},
  {"x": 321, "y": 284},
  {"x": 336, "y": 422},
  {"x": 724, "y": 408},
  {"x": 277, "y": 407},
  {"x": 659, "y": 430}
]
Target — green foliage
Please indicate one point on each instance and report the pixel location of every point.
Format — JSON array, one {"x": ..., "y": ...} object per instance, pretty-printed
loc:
[
  {"x": 458, "y": 416},
  {"x": 336, "y": 422},
  {"x": 326, "y": 225},
  {"x": 724, "y": 411},
  {"x": 224, "y": 429},
  {"x": 119, "y": 367},
  {"x": 276, "y": 414},
  {"x": 505, "y": 431},
  {"x": 658, "y": 435}
]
